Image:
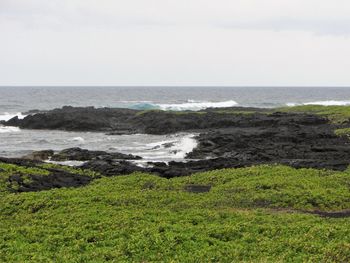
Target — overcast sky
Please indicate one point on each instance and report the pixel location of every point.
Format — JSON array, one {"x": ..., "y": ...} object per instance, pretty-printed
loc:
[{"x": 175, "y": 42}]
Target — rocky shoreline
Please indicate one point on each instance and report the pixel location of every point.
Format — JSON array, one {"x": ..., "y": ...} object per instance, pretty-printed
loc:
[{"x": 228, "y": 138}]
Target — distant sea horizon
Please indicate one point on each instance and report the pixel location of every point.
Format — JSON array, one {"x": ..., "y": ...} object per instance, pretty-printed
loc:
[{"x": 15, "y": 99}]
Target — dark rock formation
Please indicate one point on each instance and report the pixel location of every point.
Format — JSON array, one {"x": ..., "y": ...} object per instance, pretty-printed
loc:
[
  {"x": 20, "y": 161},
  {"x": 56, "y": 178},
  {"x": 77, "y": 119},
  {"x": 112, "y": 167},
  {"x": 78, "y": 154},
  {"x": 126, "y": 121},
  {"x": 306, "y": 143},
  {"x": 226, "y": 140}
]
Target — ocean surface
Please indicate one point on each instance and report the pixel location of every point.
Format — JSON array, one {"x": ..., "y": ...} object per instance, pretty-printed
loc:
[{"x": 17, "y": 101}]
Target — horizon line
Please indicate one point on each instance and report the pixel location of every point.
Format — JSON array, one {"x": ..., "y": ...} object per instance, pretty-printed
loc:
[{"x": 178, "y": 86}]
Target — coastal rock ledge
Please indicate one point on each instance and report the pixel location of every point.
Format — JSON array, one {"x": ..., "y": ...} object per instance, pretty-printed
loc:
[{"x": 228, "y": 137}]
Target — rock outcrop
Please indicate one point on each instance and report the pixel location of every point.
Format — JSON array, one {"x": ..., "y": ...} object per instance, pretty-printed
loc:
[{"x": 226, "y": 139}]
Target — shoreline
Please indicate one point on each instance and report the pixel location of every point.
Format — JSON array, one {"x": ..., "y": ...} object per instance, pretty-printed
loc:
[{"x": 226, "y": 137}]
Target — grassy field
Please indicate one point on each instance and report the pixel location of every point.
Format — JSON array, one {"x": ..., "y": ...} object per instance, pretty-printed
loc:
[{"x": 257, "y": 214}]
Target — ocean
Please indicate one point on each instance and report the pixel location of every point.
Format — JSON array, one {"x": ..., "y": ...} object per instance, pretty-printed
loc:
[{"x": 16, "y": 101}]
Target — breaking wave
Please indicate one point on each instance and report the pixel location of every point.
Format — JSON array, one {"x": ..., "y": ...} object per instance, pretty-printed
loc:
[
  {"x": 8, "y": 116},
  {"x": 323, "y": 103},
  {"x": 176, "y": 148},
  {"x": 188, "y": 105}
]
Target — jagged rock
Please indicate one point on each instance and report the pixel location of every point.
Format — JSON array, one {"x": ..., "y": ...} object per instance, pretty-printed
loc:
[{"x": 78, "y": 154}]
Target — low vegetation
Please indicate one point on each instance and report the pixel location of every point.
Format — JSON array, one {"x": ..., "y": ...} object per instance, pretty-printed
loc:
[
  {"x": 336, "y": 114},
  {"x": 264, "y": 213},
  {"x": 7, "y": 170},
  {"x": 343, "y": 132},
  {"x": 15, "y": 178},
  {"x": 70, "y": 169}
]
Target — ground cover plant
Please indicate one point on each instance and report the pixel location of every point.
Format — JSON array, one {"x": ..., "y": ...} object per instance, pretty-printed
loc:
[
  {"x": 336, "y": 114},
  {"x": 343, "y": 132},
  {"x": 255, "y": 214}
]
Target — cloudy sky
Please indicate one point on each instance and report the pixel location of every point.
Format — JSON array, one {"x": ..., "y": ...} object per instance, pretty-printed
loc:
[{"x": 175, "y": 42}]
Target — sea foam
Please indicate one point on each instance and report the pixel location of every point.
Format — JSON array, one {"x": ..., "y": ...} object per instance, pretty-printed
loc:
[
  {"x": 323, "y": 103},
  {"x": 184, "y": 146},
  {"x": 78, "y": 139},
  {"x": 195, "y": 106},
  {"x": 176, "y": 148},
  {"x": 8, "y": 129},
  {"x": 8, "y": 116},
  {"x": 192, "y": 105}
]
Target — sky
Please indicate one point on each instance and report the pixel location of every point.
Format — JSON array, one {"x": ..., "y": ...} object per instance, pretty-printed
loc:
[{"x": 175, "y": 42}]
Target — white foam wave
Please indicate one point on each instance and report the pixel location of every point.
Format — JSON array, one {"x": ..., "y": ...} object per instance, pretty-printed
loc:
[
  {"x": 8, "y": 116},
  {"x": 128, "y": 148},
  {"x": 159, "y": 144},
  {"x": 167, "y": 150},
  {"x": 8, "y": 129},
  {"x": 195, "y": 105},
  {"x": 184, "y": 146},
  {"x": 78, "y": 139},
  {"x": 323, "y": 103},
  {"x": 67, "y": 163}
]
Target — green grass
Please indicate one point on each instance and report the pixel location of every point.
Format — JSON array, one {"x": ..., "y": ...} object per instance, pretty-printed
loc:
[
  {"x": 336, "y": 114},
  {"x": 251, "y": 214},
  {"x": 70, "y": 169},
  {"x": 342, "y": 132}
]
